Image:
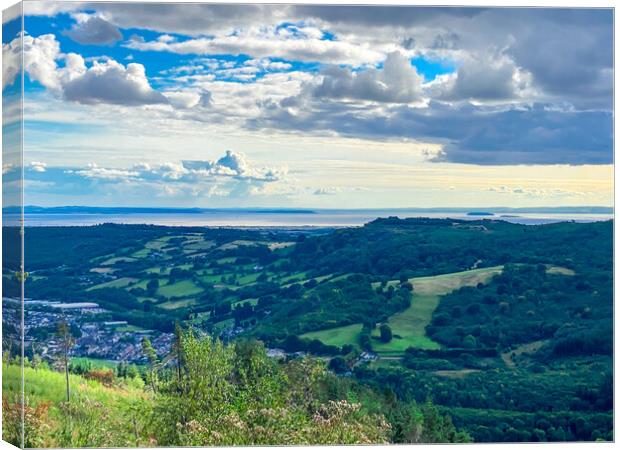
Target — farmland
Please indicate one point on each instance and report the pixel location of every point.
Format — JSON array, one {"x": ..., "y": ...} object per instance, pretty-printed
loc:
[
  {"x": 439, "y": 309},
  {"x": 409, "y": 325}
]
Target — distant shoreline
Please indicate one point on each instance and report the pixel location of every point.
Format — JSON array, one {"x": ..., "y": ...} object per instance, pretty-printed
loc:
[
  {"x": 250, "y": 219},
  {"x": 474, "y": 211}
]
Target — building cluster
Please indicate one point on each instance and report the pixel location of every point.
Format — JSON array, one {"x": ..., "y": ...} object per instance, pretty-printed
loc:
[{"x": 94, "y": 334}]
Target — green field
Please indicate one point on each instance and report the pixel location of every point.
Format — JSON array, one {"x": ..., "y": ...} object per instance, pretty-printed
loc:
[
  {"x": 557, "y": 270},
  {"x": 251, "y": 301},
  {"x": 177, "y": 304},
  {"x": 103, "y": 270},
  {"x": 337, "y": 336},
  {"x": 143, "y": 253},
  {"x": 293, "y": 278},
  {"x": 47, "y": 385},
  {"x": 227, "y": 260},
  {"x": 248, "y": 279},
  {"x": 197, "y": 245},
  {"x": 159, "y": 270},
  {"x": 157, "y": 244},
  {"x": 213, "y": 279},
  {"x": 117, "y": 259},
  {"x": 118, "y": 283},
  {"x": 182, "y": 288},
  {"x": 409, "y": 326},
  {"x": 95, "y": 363},
  {"x": 140, "y": 284}
]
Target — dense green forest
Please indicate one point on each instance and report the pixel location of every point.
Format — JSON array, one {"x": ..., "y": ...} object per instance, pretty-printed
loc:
[{"x": 503, "y": 330}]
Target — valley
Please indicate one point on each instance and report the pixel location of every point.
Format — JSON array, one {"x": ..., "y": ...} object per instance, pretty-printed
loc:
[{"x": 506, "y": 328}]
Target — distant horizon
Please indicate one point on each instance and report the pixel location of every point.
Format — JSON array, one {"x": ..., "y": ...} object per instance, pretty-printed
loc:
[{"x": 33, "y": 209}]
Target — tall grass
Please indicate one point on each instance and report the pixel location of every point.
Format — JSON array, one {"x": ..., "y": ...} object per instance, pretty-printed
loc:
[{"x": 96, "y": 415}]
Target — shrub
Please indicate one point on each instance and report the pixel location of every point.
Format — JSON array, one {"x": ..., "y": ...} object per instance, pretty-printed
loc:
[{"x": 103, "y": 376}]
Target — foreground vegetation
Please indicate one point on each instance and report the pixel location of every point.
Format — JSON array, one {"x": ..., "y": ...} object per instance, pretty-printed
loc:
[{"x": 214, "y": 394}]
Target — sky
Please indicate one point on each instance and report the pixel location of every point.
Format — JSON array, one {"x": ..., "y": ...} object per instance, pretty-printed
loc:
[{"x": 137, "y": 104}]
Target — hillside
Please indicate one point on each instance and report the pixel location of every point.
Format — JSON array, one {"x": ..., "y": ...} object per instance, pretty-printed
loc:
[{"x": 476, "y": 315}]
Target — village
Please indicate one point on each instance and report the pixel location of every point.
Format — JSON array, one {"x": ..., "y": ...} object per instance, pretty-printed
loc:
[{"x": 95, "y": 334}]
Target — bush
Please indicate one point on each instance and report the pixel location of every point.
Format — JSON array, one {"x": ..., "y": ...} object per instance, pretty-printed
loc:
[{"x": 103, "y": 376}]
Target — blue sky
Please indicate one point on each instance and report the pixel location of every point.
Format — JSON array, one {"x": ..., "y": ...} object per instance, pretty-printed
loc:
[{"x": 251, "y": 105}]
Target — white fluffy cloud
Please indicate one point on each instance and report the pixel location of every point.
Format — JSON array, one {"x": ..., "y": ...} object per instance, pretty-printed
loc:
[
  {"x": 37, "y": 166},
  {"x": 111, "y": 82},
  {"x": 102, "y": 82},
  {"x": 11, "y": 62},
  {"x": 233, "y": 165},
  {"x": 93, "y": 171},
  {"x": 40, "y": 54},
  {"x": 269, "y": 42},
  {"x": 396, "y": 82},
  {"x": 187, "y": 99}
]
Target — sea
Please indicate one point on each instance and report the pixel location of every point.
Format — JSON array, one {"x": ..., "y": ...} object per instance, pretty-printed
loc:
[{"x": 283, "y": 218}]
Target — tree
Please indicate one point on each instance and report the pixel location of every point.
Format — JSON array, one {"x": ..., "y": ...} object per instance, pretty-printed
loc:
[
  {"x": 177, "y": 349},
  {"x": 469, "y": 341},
  {"x": 365, "y": 341},
  {"x": 338, "y": 364},
  {"x": 151, "y": 356},
  {"x": 386, "y": 333},
  {"x": 66, "y": 343},
  {"x": 152, "y": 286}
]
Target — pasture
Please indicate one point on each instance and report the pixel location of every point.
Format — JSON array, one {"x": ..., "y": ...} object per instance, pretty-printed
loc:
[
  {"x": 338, "y": 336},
  {"x": 409, "y": 326},
  {"x": 118, "y": 283},
  {"x": 181, "y": 288}
]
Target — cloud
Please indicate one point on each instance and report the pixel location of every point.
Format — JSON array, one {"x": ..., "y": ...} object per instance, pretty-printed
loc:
[
  {"x": 11, "y": 62},
  {"x": 234, "y": 164},
  {"x": 40, "y": 54},
  {"x": 396, "y": 82},
  {"x": 328, "y": 190},
  {"x": 468, "y": 134},
  {"x": 267, "y": 42},
  {"x": 95, "y": 172},
  {"x": 104, "y": 81},
  {"x": 267, "y": 64},
  {"x": 232, "y": 175},
  {"x": 493, "y": 78},
  {"x": 533, "y": 85},
  {"x": 94, "y": 30},
  {"x": 567, "y": 51},
  {"x": 37, "y": 166},
  {"x": 537, "y": 192},
  {"x": 111, "y": 82},
  {"x": 190, "y": 19},
  {"x": 188, "y": 99}
]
